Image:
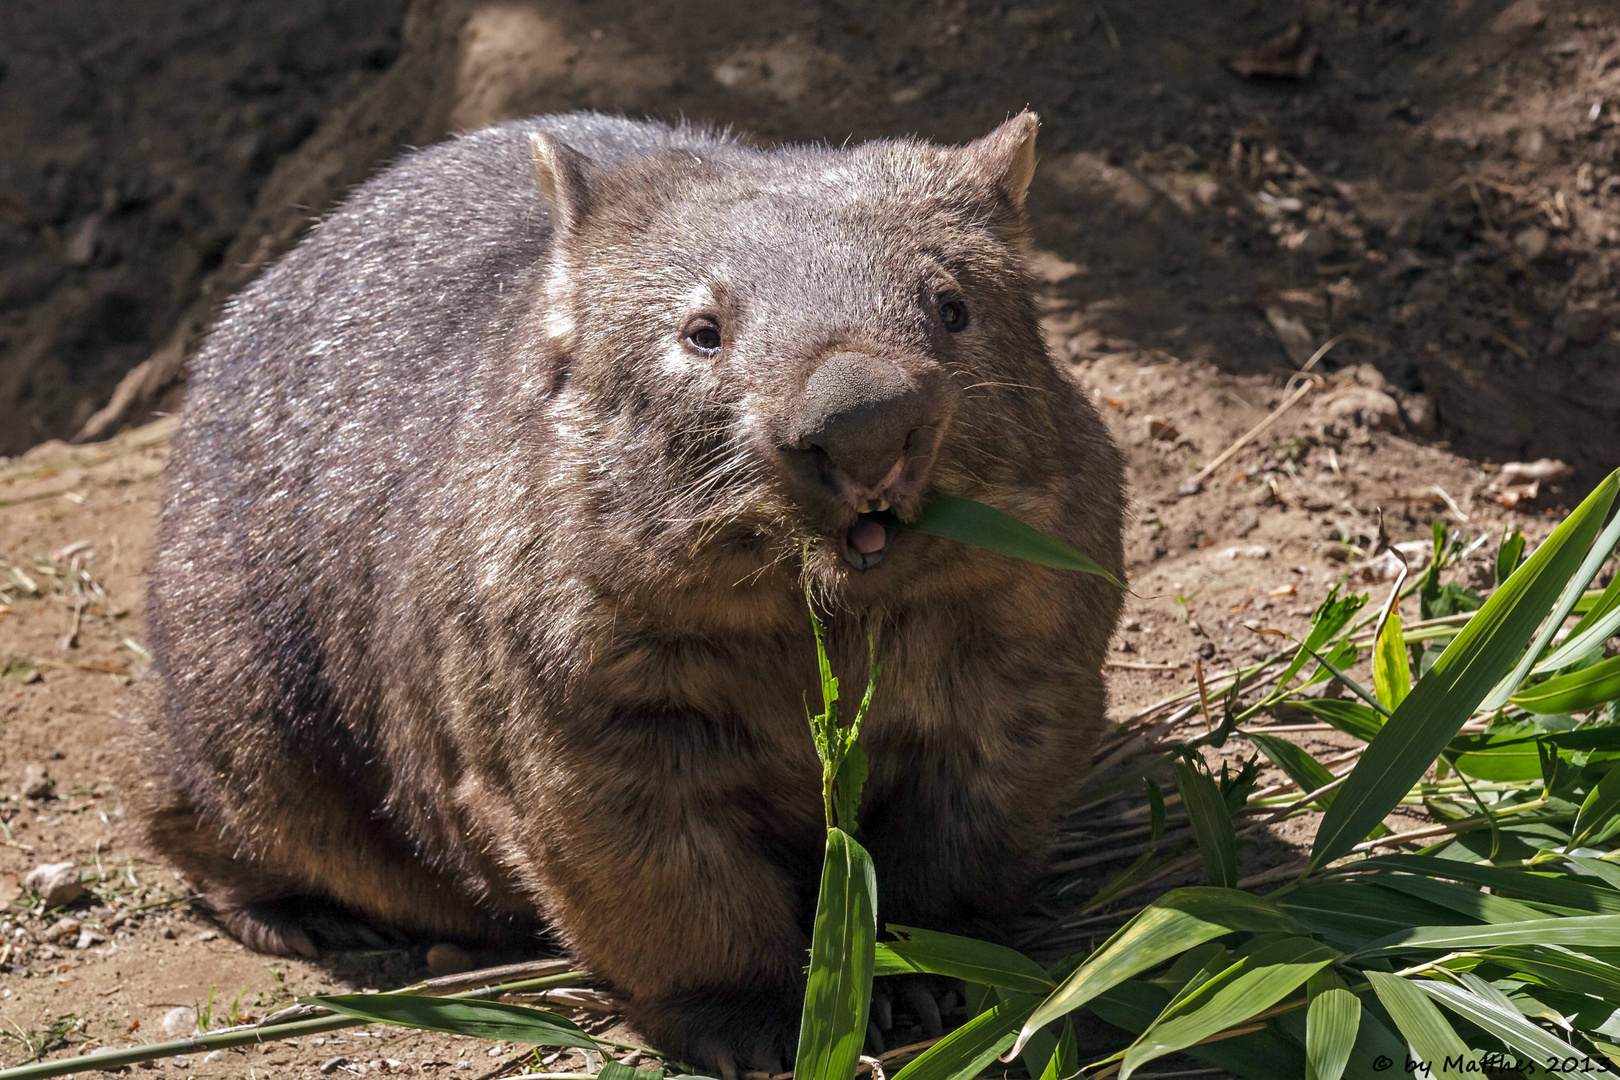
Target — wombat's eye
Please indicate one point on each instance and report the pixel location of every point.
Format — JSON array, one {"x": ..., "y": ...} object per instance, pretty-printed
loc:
[
  {"x": 954, "y": 314},
  {"x": 703, "y": 335}
]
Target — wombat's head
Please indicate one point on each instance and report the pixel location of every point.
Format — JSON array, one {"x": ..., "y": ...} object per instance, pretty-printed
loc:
[{"x": 775, "y": 347}]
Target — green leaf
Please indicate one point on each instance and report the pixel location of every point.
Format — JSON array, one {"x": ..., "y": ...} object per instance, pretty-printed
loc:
[
  {"x": 1444, "y": 698},
  {"x": 1495, "y": 756},
  {"x": 1600, "y": 807},
  {"x": 847, "y": 789},
  {"x": 1065, "y": 1062},
  {"x": 1211, "y": 823},
  {"x": 970, "y": 522},
  {"x": 1303, "y": 769},
  {"x": 1251, "y": 986},
  {"x": 1350, "y": 717},
  {"x": 1331, "y": 616},
  {"x": 1498, "y": 1017},
  {"x": 1460, "y": 898},
  {"x": 1509, "y": 555},
  {"x": 460, "y": 1016},
  {"x": 842, "y": 956},
  {"x": 965, "y": 1051},
  {"x": 1258, "y": 1055},
  {"x": 1431, "y": 1038},
  {"x": 1524, "y": 884},
  {"x": 1590, "y": 931},
  {"x": 617, "y": 1070},
  {"x": 1172, "y": 924},
  {"x": 1156, "y": 814},
  {"x": 1331, "y": 1023},
  {"x": 1561, "y": 968},
  {"x": 1597, "y": 553},
  {"x": 1392, "y": 669},
  {"x": 1575, "y": 691},
  {"x": 1600, "y": 623},
  {"x": 970, "y": 960}
]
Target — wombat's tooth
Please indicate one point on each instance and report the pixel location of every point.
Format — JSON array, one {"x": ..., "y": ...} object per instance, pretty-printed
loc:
[{"x": 882, "y": 505}]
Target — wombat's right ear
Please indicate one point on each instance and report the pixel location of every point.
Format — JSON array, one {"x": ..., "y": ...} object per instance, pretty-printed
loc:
[
  {"x": 1007, "y": 156},
  {"x": 563, "y": 176}
]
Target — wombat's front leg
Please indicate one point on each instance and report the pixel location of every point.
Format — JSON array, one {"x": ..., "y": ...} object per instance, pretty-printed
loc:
[{"x": 681, "y": 876}]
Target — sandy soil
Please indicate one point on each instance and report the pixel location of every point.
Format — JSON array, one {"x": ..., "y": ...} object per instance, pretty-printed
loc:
[{"x": 1440, "y": 187}]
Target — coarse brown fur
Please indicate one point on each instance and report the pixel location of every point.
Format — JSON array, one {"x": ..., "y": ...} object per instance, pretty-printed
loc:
[{"x": 478, "y": 598}]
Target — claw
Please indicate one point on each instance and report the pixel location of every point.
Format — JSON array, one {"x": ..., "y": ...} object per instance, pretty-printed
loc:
[
  {"x": 919, "y": 998},
  {"x": 883, "y": 1010}
]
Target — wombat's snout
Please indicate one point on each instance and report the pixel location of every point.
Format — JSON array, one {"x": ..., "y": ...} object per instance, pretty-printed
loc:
[{"x": 860, "y": 411}]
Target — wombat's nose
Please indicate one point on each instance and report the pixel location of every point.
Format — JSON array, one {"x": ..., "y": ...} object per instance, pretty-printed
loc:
[{"x": 859, "y": 410}]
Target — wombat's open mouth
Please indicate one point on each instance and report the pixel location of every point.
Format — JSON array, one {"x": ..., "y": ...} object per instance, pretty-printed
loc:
[{"x": 865, "y": 541}]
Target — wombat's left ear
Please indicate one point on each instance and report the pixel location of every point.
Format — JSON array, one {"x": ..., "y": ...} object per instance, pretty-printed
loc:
[
  {"x": 563, "y": 177},
  {"x": 1007, "y": 156}
]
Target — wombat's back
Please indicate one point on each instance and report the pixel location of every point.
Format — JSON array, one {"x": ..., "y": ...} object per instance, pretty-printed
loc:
[{"x": 320, "y": 418}]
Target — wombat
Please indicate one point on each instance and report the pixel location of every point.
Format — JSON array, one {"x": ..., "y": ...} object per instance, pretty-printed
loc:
[{"x": 478, "y": 605}]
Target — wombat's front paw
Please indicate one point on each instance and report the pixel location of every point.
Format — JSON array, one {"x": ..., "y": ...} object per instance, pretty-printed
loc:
[
  {"x": 727, "y": 1028},
  {"x": 909, "y": 1008}
]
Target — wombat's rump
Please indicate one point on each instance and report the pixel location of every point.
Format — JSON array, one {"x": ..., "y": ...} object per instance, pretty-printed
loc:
[{"x": 478, "y": 602}]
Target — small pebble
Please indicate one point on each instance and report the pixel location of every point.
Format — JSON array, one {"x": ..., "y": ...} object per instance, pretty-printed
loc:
[
  {"x": 332, "y": 1065},
  {"x": 178, "y": 1021},
  {"x": 55, "y": 883},
  {"x": 37, "y": 783},
  {"x": 181, "y": 1062},
  {"x": 213, "y": 1056}
]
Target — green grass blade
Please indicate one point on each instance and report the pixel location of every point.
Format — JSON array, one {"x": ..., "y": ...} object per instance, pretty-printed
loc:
[
  {"x": 1597, "y": 553},
  {"x": 1600, "y": 807},
  {"x": 1295, "y": 760},
  {"x": 1211, "y": 823},
  {"x": 1259, "y": 1055},
  {"x": 1332, "y": 615},
  {"x": 1509, "y": 555},
  {"x": 1253, "y": 985},
  {"x": 1500, "y": 1019},
  {"x": 1575, "y": 691},
  {"x": 1172, "y": 924},
  {"x": 1331, "y": 1023},
  {"x": 1523, "y": 884},
  {"x": 1065, "y": 1061},
  {"x": 1590, "y": 931},
  {"x": 480, "y": 1019},
  {"x": 1560, "y": 968},
  {"x": 1465, "y": 901},
  {"x": 1392, "y": 668},
  {"x": 1600, "y": 623},
  {"x": 969, "y": 522},
  {"x": 842, "y": 955},
  {"x": 1350, "y": 717},
  {"x": 1444, "y": 698},
  {"x": 972, "y": 961},
  {"x": 1431, "y": 1038},
  {"x": 965, "y": 1051}
]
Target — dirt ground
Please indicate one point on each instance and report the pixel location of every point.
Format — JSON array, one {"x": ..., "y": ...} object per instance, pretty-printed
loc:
[{"x": 1443, "y": 187}]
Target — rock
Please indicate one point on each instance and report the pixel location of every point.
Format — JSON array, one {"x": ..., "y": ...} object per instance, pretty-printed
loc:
[
  {"x": 447, "y": 959},
  {"x": 1532, "y": 242},
  {"x": 1206, "y": 651},
  {"x": 87, "y": 938},
  {"x": 1247, "y": 551},
  {"x": 56, "y": 884},
  {"x": 1418, "y": 412},
  {"x": 60, "y": 929},
  {"x": 181, "y": 1062},
  {"x": 1161, "y": 428},
  {"x": 179, "y": 1021},
  {"x": 213, "y": 1056},
  {"x": 1297, "y": 340},
  {"x": 1086, "y": 173},
  {"x": 1519, "y": 16},
  {"x": 1581, "y": 325},
  {"x": 332, "y": 1065},
  {"x": 37, "y": 783},
  {"x": 83, "y": 242},
  {"x": 1245, "y": 521},
  {"x": 1532, "y": 144},
  {"x": 1362, "y": 406}
]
